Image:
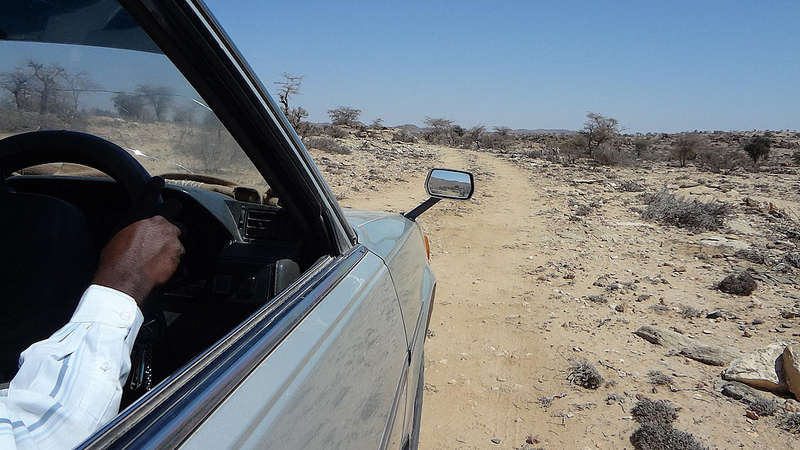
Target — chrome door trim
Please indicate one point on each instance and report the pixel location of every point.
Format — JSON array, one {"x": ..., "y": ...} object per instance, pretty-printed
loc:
[{"x": 168, "y": 414}]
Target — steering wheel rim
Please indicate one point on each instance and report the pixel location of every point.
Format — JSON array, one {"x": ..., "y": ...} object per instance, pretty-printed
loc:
[{"x": 41, "y": 147}]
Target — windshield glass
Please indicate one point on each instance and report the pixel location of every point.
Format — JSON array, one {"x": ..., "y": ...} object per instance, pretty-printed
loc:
[{"x": 101, "y": 75}]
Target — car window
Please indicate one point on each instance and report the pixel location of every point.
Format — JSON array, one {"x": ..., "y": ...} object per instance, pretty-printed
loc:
[{"x": 134, "y": 98}]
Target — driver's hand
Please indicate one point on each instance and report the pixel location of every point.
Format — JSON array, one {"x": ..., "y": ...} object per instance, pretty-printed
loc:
[{"x": 140, "y": 257}]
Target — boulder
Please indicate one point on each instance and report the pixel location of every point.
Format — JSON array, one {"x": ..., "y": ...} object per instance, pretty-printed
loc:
[
  {"x": 791, "y": 368},
  {"x": 761, "y": 369}
]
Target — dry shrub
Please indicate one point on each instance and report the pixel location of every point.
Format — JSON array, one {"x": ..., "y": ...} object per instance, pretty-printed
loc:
[
  {"x": 584, "y": 375},
  {"x": 655, "y": 436},
  {"x": 721, "y": 161},
  {"x": 630, "y": 186},
  {"x": 607, "y": 155},
  {"x": 791, "y": 423},
  {"x": 648, "y": 411},
  {"x": 687, "y": 312},
  {"x": 738, "y": 284},
  {"x": 326, "y": 144},
  {"x": 659, "y": 378},
  {"x": 763, "y": 406},
  {"x": 792, "y": 259},
  {"x": 666, "y": 208},
  {"x": 656, "y": 432}
]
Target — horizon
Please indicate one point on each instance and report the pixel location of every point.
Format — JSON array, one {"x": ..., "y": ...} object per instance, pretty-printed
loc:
[{"x": 658, "y": 68}]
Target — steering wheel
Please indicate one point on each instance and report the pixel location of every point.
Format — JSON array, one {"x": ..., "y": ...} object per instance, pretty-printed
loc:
[{"x": 41, "y": 147}]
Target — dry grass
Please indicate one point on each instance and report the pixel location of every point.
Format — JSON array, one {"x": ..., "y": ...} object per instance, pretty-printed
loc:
[
  {"x": 668, "y": 209},
  {"x": 584, "y": 375}
]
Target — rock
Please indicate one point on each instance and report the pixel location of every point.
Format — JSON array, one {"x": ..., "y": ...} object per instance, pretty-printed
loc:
[
  {"x": 721, "y": 241},
  {"x": 751, "y": 415},
  {"x": 739, "y": 391},
  {"x": 714, "y": 355},
  {"x": 739, "y": 226},
  {"x": 761, "y": 369},
  {"x": 496, "y": 441},
  {"x": 791, "y": 368}
]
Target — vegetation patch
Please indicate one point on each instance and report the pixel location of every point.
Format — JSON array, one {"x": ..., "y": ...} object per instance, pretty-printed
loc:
[
  {"x": 666, "y": 208},
  {"x": 741, "y": 283},
  {"x": 584, "y": 375},
  {"x": 326, "y": 144},
  {"x": 656, "y": 431}
]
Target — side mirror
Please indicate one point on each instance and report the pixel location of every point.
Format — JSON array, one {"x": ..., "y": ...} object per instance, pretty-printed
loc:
[
  {"x": 450, "y": 184},
  {"x": 444, "y": 184}
]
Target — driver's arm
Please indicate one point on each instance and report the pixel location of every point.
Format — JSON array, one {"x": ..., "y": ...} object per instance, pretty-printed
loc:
[{"x": 71, "y": 383}]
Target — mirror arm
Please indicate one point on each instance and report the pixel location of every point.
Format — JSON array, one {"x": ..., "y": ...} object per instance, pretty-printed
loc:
[{"x": 414, "y": 213}]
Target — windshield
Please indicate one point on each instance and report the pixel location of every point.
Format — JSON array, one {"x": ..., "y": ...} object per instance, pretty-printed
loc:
[{"x": 91, "y": 69}]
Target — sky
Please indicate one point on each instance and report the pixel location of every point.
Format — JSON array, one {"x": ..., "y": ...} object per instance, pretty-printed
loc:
[{"x": 667, "y": 66}]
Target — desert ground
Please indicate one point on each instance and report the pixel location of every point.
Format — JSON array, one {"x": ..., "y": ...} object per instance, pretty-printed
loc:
[{"x": 550, "y": 268}]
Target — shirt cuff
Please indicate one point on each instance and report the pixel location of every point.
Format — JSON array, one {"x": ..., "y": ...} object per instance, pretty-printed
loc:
[{"x": 108, "y": 306}]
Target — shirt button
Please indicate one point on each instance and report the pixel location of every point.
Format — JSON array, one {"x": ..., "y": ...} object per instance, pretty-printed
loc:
[
  {"x": 126, "y": 316},
  {"x": 105, "y": 366}
]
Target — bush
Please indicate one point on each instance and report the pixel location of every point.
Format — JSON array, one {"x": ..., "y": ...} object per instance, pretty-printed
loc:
[
  {"x": 335, "y": 131},
  {"x": 791, "y": 423},
  {"x": 763, "y": 406},
  {"x": 655, "y": 431},
  {"x": 739, "y": 284},
  {"x": 659, "y": 378},
  {"x": 695, "y": 215},
  {"x": 584, "y": 375},
  {"x": 607, "y": 155},
  {"x": 648, "y": 411},
  {"x": 326, "y": 144},
  {"x": 654, "y": 436},
  {"x": 630, "y": 186},
  {"x": 720, "y": 160}
]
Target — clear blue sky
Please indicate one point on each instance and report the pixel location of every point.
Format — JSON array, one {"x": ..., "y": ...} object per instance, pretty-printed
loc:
[{"x": 664, "y": 66}]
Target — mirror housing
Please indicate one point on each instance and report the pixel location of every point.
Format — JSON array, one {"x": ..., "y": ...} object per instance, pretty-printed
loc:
[{"x": 444, "y": 184}]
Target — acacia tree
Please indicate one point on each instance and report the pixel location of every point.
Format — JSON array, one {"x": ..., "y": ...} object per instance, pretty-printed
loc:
[
  {"x": 344, "y": 115},
  {"x": 159, "y": 97},
  {"x": 473, "y": 136},
  {"x": 687, "y": 146},
  {"x": 599, "y": 130},
  {"x": 441, "y": 131},
  {"x": 758, "y": 148},
  {"x": 287, "y": 88}
]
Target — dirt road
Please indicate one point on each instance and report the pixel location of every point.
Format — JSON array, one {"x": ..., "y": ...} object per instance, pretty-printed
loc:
[{"x": 550, "y": 265}]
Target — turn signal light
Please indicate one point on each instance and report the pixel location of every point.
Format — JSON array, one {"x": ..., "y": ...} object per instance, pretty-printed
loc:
[{"x": 427, "y": 247}]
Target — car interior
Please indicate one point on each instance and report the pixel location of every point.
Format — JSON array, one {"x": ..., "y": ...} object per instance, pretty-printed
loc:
[{"x": 243, "y": 242}]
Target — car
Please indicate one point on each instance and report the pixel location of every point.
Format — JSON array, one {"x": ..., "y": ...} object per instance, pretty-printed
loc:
[{"x": 291, "y": 322}]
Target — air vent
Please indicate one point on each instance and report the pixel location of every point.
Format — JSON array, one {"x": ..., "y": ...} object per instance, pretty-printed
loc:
[{"x": 264, "y": 225}]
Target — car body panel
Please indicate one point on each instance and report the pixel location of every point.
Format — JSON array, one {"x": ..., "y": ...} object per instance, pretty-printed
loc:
[{"x": 324, "y": 373}]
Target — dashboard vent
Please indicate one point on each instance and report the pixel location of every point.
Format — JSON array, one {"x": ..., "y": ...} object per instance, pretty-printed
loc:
[{"x": 264, "y": 225}]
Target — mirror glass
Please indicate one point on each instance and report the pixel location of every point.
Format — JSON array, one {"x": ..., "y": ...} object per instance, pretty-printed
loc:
[{"x": 450, "y": 184}]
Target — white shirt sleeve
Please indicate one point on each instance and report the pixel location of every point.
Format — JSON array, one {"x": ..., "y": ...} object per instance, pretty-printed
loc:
[{"x": 70, "y": 384}]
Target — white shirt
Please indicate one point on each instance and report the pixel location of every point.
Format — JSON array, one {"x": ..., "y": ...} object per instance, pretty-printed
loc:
[{"x": 70, "y": 384}]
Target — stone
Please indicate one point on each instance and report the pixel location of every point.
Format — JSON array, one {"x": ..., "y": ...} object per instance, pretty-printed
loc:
[
  {"x": 761, "y": 369},
  {"x": 714, "y": 355},
  {"x": 791, "y": 368}
]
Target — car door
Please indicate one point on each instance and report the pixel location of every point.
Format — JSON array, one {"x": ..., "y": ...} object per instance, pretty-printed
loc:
[{"x": 332, "y": 381}]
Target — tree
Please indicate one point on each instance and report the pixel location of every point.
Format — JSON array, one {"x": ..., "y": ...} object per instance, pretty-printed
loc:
[
  {"x": 159, "y": 97},
  {"x": 296, "y": 116},
  {"x": 474, "y": 134},
  {"x": 288, "y": 87},
  {"x": 440, "y": 132},
  {"x": 130, "y": 106},
  {"x": 17, "y": 83},
  {"x": 344, "y": 115},
  {"x": 599, "y": 130},
  {"x": 47, "y": 83},
  {"x": 687, "y": 146},
  {"x": 758, "y": 148},
  {"x": 377, "y": 123},
  {"x": 502, "y": 137}
]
